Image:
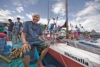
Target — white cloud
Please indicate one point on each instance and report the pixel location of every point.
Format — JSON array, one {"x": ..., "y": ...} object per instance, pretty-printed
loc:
[
  {"x": 45, "y": 21},
  {"x": 17, "y": 2},
  {"x": 23, "y": 2},
  {"x": 30, "y": 1},
  {"x": 29, "y": 15},
  {"x": 13, "y": 11},
  {"x": 4, "y": 15},
  {"x": 59, "y": 7},
  {"x": 5, "y": 5},
  {"x": 89, "y": 17},
  {"x": 19, "y": 9},
  {"x": 21, "y": 17},
  {"x": 42, "y": 20}
]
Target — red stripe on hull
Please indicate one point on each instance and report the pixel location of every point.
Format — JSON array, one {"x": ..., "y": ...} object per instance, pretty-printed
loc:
[{"x": 69, "y": 62}]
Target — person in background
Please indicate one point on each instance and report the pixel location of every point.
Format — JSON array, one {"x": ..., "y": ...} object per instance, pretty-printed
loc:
[
  {"x": 31, "y": 35},
  {"x": 78, "y": 32},
  {"x": 59, "y": 28},
  {"x": 2, "y": 34},
  {"x": 6, "y": 29},
  {"x": 10, "y": 29},
  {"x": 17, "y": 29},
  {"x": 51, "y": 30}
]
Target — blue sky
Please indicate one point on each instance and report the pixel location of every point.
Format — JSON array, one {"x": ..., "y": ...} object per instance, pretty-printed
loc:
[{"x": 84, "y": 12}]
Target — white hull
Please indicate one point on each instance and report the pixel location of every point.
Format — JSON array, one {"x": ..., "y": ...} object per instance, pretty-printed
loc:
[{"x": 74, "y": 57}]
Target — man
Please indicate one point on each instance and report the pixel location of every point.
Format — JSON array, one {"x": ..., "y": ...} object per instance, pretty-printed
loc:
[
  {"x": 31, "y": 34},
  {"x": 10, "y": 29},
  {"x": 77, "y": 32},
  {"x": 17, "y": 28},
  {"x": 52, "y": 29},
  {"x": 5, "y": 28}
]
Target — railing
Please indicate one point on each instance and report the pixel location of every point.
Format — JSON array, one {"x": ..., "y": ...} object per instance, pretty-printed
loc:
[{"x": 85, "y": 46}]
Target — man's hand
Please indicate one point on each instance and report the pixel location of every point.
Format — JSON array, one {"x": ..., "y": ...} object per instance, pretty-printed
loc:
[
  {"x": 8, "y": 25},
  {"x": 26, "y": 47},
  {"x": 47, "y": 44}
]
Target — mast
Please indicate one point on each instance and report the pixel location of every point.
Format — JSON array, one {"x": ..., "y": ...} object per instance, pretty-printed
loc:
[
  {"x": 66, "y": 19},
  {"x": 48, "y": 16}
]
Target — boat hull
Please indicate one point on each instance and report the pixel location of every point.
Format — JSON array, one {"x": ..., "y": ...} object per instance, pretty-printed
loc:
[
  {"x": 68, "y": 62},
  {"x": 73, "y": 57}
]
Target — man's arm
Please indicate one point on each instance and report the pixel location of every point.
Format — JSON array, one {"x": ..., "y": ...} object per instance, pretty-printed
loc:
[
  {"x": 25, "y": 46},
  {"x": 24, "y": 32},
  {"x": 41, "y": 33},
  {"x": 46, "y": 42},
  {"x": 20, "y": 27},
  {"x": 13, "y": 27},
  {"x": 42, "y": 37},
  {"x": 23, "y": 36}
]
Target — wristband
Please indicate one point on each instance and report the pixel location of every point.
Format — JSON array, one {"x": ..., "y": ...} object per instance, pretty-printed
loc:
[{"x": 24, "y": 43}]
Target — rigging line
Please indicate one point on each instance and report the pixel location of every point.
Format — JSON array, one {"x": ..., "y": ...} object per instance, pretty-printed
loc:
[
  {"x": 90, "y": 62},
  {"x": 48, "y": 5},
  {"x": 97, "y": 5},
  {"x": 94, "y": 7},
  {"x": 82, "y": 28},
  {"x": 54, "y": 39},
  {"x": 45, "y": 10},
  {"x": 56, "y": 19},
  {"x": 60, "y": 56},
  {"x": 50, "y": 15},
  {"x": 71, "y": 26}
]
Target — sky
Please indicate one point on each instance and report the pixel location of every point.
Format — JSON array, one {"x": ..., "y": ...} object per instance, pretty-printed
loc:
[{"x": 84, "y": 12}]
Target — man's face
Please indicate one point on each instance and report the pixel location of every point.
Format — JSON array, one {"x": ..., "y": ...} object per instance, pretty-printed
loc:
[
  {"x": 36, "y": 18},
  {"x": 18, "y": 20}
]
